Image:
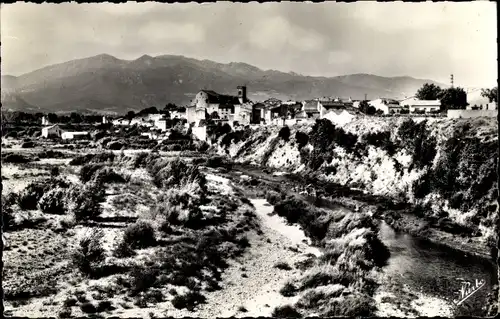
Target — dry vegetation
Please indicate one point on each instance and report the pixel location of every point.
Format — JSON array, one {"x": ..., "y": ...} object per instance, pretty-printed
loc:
[{"x": 117, "y": 234}]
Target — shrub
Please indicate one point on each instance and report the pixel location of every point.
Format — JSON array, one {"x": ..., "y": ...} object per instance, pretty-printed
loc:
[
  {"x": 351, "y": 306},
  {"x": 7, "y": 212},
  {"x": 88, "y": 308},
  {"x": 30, "y": 196},
  {"x": 288, "y": 290},
  {"x": 93, "y": 158},
  {"x": 283, "y": 266},
  {"x": 89, "y": 252},
  {"x": 15, "y": 158},
  {"x": 273, "y": 197},
  {"x": 54, "y": 171},
  {"x": 302, "y": 139},
  {"x": 53, "y": 201},
  {"x": 28, "y": 145},
  {"x": 143, "y": 278},
  {"x": 123, "y": 250},
  {"x": 286, "y": 311},
  {"x": 188, "y": 301},
  {"x": 104, "y": 305},
  {"x": 284, "y": 133},
  {"x": 84, "y": 204},
  {"x": 382, "y": 140},
  {"x": 51, "y": 154},
  {"x": 177, "y": 172},
  {"x": 88, "y": 171},
  {"x": 116, "y": 145},
  {"x": 139, "y": 235},
  {"x": 108, "y": 175}
]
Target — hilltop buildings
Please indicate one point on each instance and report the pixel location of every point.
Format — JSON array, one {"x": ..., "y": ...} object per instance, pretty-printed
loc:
[{"x": 209, "y": 104}]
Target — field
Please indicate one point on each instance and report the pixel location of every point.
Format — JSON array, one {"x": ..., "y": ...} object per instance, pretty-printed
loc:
[{"x": 109, "y": 234}]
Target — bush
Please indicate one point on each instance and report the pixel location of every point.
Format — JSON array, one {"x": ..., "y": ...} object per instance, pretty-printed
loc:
[
  {"x": 116, "y": 145},
  {"x": 88, "y": 171},
  {"x": 30, "y": 196},
  {"x": 93, "y": 158},
  {"x": 176, "y": 172},
  {"x": 302, "y": 139},
  {"x": 217, "y": 161},
  {"x": 139, "y": 235},
  {"x": 16, "y": 158},
  {"x": 28, "y": 145},
  {"x": 123, "y": 250},
  {"x": 88, "y": 307},
  {"x": 273, "y": 197},
  {"x": 284, "y": 133},
  {"x": 54, "y": 171},
  {"x": 7, "y": 212},
  {"x": 84, "y": 204},
  {"x": 188, "y": 301},
  {"x": 143, "y": 278},
  {"x": 51, "y": 154},
  {"x": 288, "y": 290},
  {"x": 89, "y": 252},
  {"x": 283, "y": 266},
  {"x": 53, "y": 201},
  {"x": 108, "y": 175},
  {"x": 286, "y": 311}
]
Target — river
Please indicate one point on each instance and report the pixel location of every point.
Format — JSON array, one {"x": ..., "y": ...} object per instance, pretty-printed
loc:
[{"x": 422, "y": 267}]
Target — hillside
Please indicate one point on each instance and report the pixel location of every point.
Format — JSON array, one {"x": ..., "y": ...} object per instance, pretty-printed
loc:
[
  {"x": 445, "y": 168},
  {"x": 106, "y": 83}
]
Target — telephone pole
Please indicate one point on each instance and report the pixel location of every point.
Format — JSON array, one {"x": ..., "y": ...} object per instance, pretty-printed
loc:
[{"x": 452, "y": 80}]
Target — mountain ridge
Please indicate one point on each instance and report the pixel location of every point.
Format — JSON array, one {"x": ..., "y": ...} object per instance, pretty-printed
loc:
[{"x": 106, "y": 82}]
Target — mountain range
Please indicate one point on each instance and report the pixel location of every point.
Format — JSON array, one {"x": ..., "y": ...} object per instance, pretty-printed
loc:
[{"x": 105, "y": 83}]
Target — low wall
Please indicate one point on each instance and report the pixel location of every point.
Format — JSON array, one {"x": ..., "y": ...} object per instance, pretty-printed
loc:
[{"x": 455, "y": 114}]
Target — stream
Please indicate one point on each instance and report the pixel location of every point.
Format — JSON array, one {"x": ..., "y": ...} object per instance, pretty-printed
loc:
[{"x": 421, "y": 266}]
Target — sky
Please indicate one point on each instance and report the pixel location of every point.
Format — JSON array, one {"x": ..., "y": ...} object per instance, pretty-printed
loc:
[{"x": 422, "y": 40}]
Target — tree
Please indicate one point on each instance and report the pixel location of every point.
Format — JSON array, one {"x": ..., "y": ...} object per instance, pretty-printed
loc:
[
  {"x": 366, "y": 108},
  {"x": 170, "y": 106},
  {"x": 454, "y": 98},
  {"x": 130, "y": 115},
  {"x": 214, "y": 116},
  {"x": 429, "y": 92},
  {"x": 76, "y": 117},
  {"x": 492, "y": 94}
]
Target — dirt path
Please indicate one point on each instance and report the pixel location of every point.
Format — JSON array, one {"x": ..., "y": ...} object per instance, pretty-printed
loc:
[{"x": 252, "y": 282}]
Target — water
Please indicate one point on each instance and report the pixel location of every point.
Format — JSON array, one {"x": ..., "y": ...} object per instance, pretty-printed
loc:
[
  {"x": 434, "y": 270},
  {"x": 437, "y": 270}
]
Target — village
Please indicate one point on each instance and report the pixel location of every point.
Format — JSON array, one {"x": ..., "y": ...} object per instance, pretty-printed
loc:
[{"x": 209, "y": 109}]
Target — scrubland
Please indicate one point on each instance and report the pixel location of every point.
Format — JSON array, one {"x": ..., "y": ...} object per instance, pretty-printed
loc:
[{"x": 110, "y": 234}]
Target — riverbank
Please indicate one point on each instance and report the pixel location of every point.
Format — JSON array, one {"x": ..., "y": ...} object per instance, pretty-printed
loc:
[{"x": 324, "y": 194}]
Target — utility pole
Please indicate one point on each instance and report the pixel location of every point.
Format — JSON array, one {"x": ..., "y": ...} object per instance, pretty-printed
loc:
[
  {"x": 452, "y": 80},
  {"x": 365, "y": 97}
]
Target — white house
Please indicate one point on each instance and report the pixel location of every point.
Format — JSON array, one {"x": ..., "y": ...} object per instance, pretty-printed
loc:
[
  {"x": 424, "y": 105},
  {"x": 52, "y": 131},
  {"x": 74, "y": 135},
  {"x": 387, "y": 106},
  {"x": 121, "y": 121}
]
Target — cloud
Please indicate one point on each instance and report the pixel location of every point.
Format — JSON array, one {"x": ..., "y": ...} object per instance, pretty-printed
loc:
[{"x": 428, "y": 40}]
